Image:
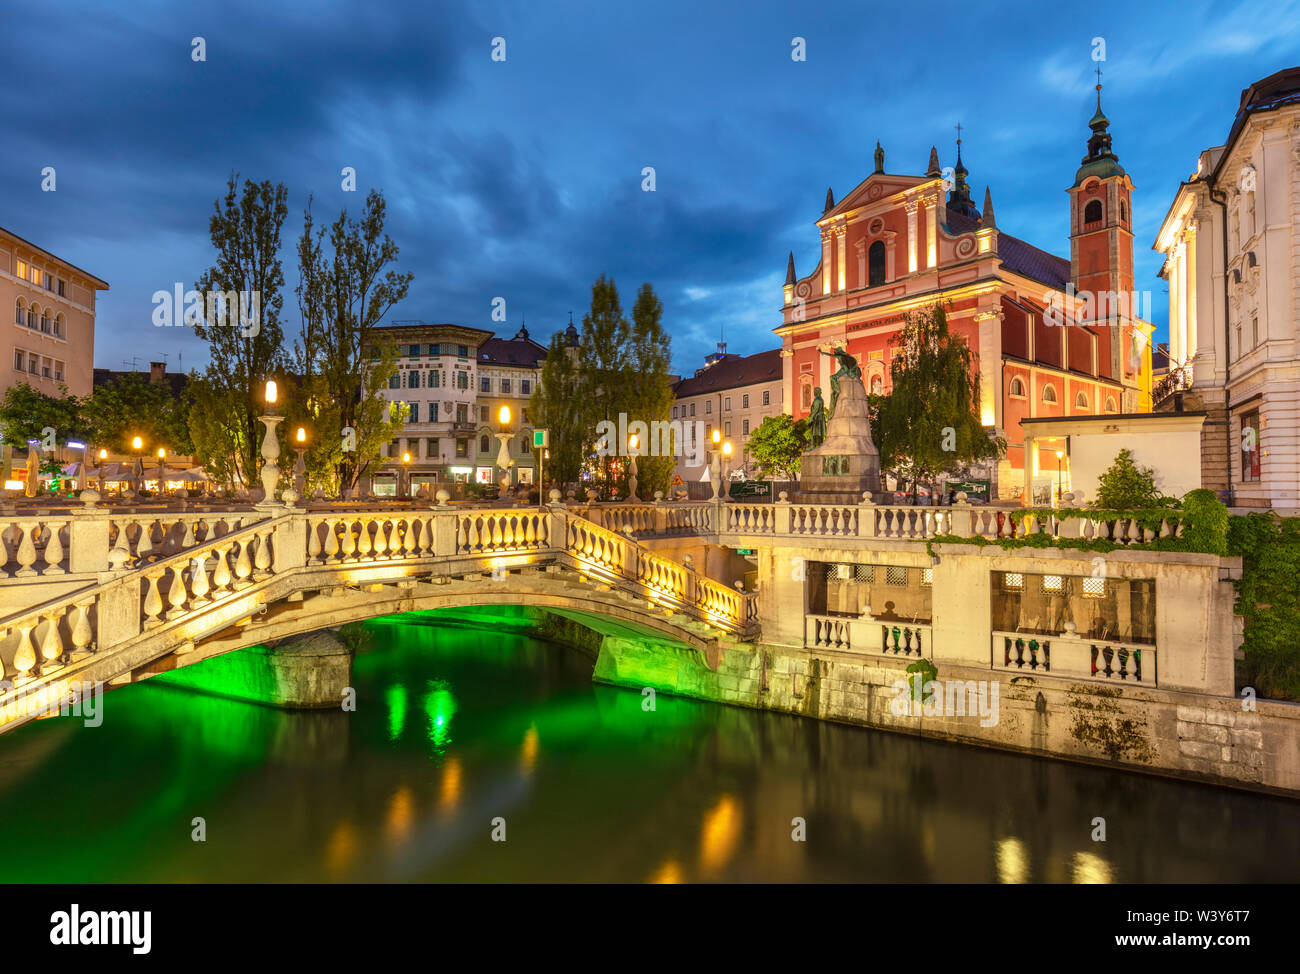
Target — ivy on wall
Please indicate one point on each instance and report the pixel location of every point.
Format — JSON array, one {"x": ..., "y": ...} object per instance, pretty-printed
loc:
[{"x": 1268, "y": 599}]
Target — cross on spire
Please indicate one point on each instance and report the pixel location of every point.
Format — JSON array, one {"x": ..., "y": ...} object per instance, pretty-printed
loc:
[
  {"x": 1098, "y": 86},
  {"x": 959, "y": 136}
]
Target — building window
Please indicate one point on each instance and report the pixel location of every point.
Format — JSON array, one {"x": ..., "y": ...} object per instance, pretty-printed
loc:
[
  {"x": 525, "y": 387},
  {"x": 1092, "y": 212},
  {"x": 525, "y": 444},
  {"x": 484, "y": 384},
  {"x": 708, "y": 407},
  {"x": 415, "y": 412},
  {"x": 744, "y": 401},
  {"x": 58, "y": 327},
  {"x": 19, "y": 358},
  {"x": 482, "y": 414},
  {"x": 462, "y": 351},
  {"x": 484, "y": 444},
  {"x": 61, "y": 294},
  {"x": 1049, "y": 394},
  {"x": 1110, "y": 404},
  {"x": 432, "y": 380},
  {"x": 45, "y": 321},
  {"x": 927, "y": 576},
  {"x": 726, "y": 429},
  {"x": 505, "y": 387},
  {"x": 1094, "y": 588},
  {"x": 1013, "y": 581},
  {"x": 21, "y": 268},
  {"x": 895, "y": 575},
  {"x": 413, "y": 351},
  {"x": 413, "y": 379},
  {"x": 1250, "y": 446},
  {"x": 1017, "y": 387},
  {"x": 431, "y": 448},
  {"x": 1053, "y": 583},
  {"x": 395, "y": 381},
  {"x": 1123, "y": 212},
  {"x": 744, "y": 427},
  {"x": 692, "y": 409},
  {"x": 674, "y": 412},
  {"x": 1081, "y": 400},
  {"x": 462, "y": 380},
  {"x": 19, "y": 315},
  {"x": 726, "y": 404},
  {"x": 767, "y": 398},
  {"x": 876, "y": 264},
  {"x": 462, "y": 448}
]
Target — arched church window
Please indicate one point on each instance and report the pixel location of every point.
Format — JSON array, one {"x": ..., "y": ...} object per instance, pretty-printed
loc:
[
  {"x": 1049, "y": 394},
  {"x": 1092, "y": 212},
  {"x": 876, "y": 264},
  {"x": 1017, "y": 387},
  {"x": 1123, "y": 212},
  {"x": 1081, "y": 400}
]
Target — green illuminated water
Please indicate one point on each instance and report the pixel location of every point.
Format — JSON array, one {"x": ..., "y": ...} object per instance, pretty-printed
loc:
[{"x": 457, "y": 727}]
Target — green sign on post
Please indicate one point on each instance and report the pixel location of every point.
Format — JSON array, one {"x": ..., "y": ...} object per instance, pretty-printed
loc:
[{"x": 541, "y": 439}]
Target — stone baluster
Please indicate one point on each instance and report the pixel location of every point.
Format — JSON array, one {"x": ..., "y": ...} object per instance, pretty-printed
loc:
[
  {"x": 25, "y": 654},
  {"x": 152, "y": 600},
  {"x": 313, "y": 542},
  {"x": 262, "y": 559},
  {"x": 52, "y": 642},
  {"x": 176, "y": 591},
  {"x": 26, "y": 550},
  {"x": 82, "y": 634},
  {"x": 382, "y": 544},
  {"x": 364, "y": 547},
  {"x": 199, "y": 586},
  {"x": 348, "y": 541},
  {"x": 54, "y": 549},
  {"x": 330, "y": 551},
  {"x": 243, "y": 564},
  {"x": 221, "y": 576},
  {"x": 144, "y": 544}
]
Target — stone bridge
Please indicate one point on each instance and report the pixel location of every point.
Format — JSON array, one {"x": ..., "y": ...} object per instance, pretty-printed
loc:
[{"x": 116, "y": 594}]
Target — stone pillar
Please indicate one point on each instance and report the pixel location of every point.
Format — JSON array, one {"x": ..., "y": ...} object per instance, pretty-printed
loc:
[
  {"x": 841, "y": 234},
  {"x": 931, "y": 232},
  {"x": 826, "y": 262},
  {"x": 910, "y": 206},
  {"x": 444, "y": 533},
  {"x": 88, "y": 541},
  {"x": 289, "y": 544}
]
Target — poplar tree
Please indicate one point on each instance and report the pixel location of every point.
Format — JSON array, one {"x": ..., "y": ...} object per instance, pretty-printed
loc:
[
  {"x": 558, "y": 403},
  {"x": 346, "y": 286},
  {"x": 245, "y": 231}
]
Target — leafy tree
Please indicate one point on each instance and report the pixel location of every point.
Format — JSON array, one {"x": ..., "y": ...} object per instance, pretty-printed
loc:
[
  {"x": 603, "y": 357},
  {"x": 777, "y": 446},
  {"x": 25, "y": 413},
  {"x": 346, "y": 286},
  {"x": 129, "y": 406},
  {"x": 558, "y": 404},
  {"x": 930, "y": 423},
  {"x": 1127, "y": 487},
  {"x": 245, "y": 230}
]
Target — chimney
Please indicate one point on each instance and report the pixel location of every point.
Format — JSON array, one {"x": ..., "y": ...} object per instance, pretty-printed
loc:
[{"x": 157, "y": 371}]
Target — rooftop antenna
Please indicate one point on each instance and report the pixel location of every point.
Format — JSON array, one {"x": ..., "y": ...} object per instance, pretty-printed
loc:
[{"x": 132, "y": 363}]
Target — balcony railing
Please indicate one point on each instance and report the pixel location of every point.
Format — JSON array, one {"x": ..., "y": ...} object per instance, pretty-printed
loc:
[{"x": 1073, "y": 657}]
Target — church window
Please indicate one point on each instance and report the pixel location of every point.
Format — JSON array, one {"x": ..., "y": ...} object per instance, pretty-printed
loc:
[
  {"x": 1110, "y": 404},
  {"x": 1123, "y": 212},
  {"x": 1017, "y": 387},
  {"x": 1092, "y": 212},
  {"x": 1049, "y": 394},
  {"x": 1081, "y": 400},
  {"x": 876, "y": 264}
]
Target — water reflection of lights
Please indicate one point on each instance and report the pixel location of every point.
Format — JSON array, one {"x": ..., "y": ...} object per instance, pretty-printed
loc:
[
  {"x": 395, "y": 697},
  {"x": 720, "y": 833},
  {"x": 440, "y": 706},
  {"x": 400, "y": 814},
  {"x": 670, "y": 873},
  {"x": 528, "y": 751},
  {"x": 341, "y": 848},
  {"x": 1088, "y": 868},
  {"x": 450, "y": 785},
  {"x": 1012, "y": 861}
]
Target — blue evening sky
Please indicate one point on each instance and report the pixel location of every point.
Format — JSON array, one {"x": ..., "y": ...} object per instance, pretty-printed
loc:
[{"x": 522, "y": 179}]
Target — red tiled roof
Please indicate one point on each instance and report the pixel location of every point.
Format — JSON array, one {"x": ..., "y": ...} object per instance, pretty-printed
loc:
[{"x": 731, "y": 372}]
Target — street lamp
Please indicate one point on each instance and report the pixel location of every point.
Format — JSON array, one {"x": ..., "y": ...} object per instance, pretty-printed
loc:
[
  {"x": 162, "y": 469},
  {"x": 715, "y": 466},
  {"x": 300, "y": 465},
  {"x": 103, "y": 456},
  {"x": 270, "y": 447},
  {"x": 633, "y": 442},
  {"x": 406, "y": 475},
  {"x": 726, "y": 467},
  {"x": 1060, "y": 454},
  {"x": 137, "y": 468},
  {"x": 503, "y": 458}
]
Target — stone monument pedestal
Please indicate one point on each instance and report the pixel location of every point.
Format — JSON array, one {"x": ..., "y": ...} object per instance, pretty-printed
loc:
[{"x": 846, "y": 464}]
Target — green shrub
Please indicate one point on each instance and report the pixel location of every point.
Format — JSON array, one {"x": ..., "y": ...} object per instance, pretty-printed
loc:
[
  {"x": 1205, "y": 522},
  {"x": 1126, "y": 486}
]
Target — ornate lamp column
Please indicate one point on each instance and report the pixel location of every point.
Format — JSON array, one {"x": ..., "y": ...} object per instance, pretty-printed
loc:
[
  {"x": 300, "y": 465},
  {"x": 270, "y": 449},
  {"x": 405, "y": 486},
  {"x": 162, "y": 470},
  {"x": 137, "y": 467},
  {"x": 633, "y": 452},
  {"x": 503, "y": 458},
  {"x": 103, "y": 458},
  {"x": 715, "y": 466},
  {"x": 726, "y": 467}
]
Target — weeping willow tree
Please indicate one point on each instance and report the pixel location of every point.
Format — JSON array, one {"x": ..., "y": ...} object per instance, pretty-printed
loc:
[{"x": 930, "y": 423}]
